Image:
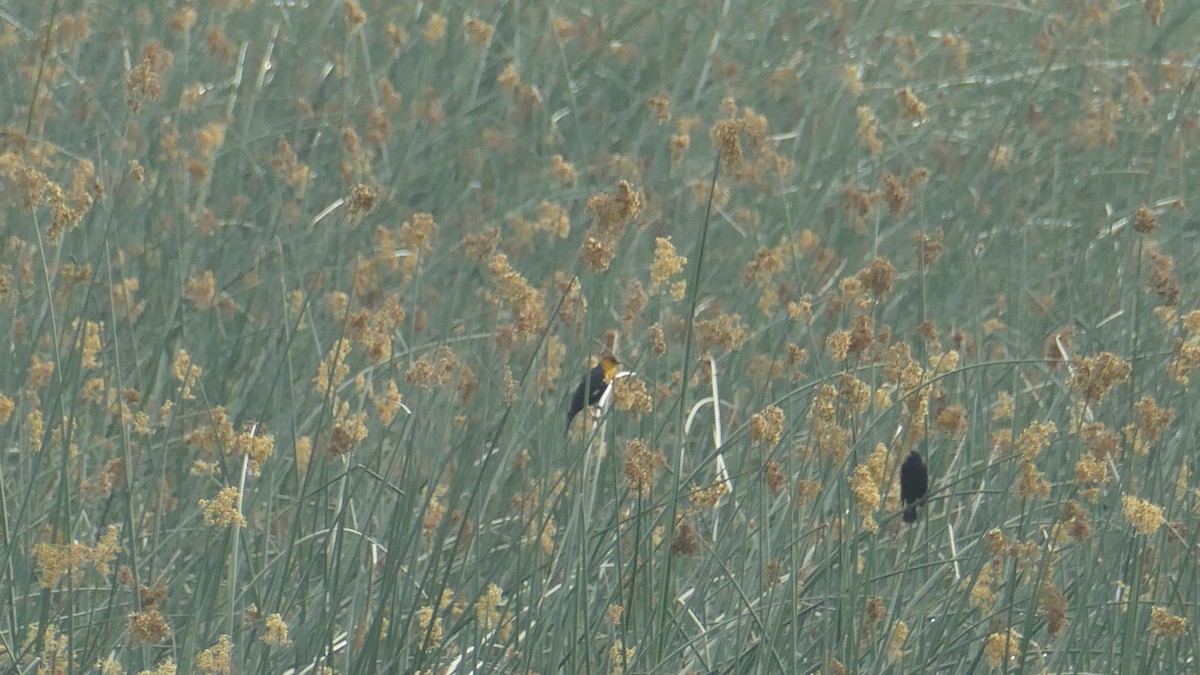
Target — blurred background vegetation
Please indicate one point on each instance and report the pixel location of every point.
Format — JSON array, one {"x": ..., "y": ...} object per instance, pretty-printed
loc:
[{"x": 293, "y": 295}]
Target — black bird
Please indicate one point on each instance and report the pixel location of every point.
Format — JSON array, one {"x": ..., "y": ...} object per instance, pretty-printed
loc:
[
  {"x": 593, "y": 386},
  {"x": 914, "y": 483}
]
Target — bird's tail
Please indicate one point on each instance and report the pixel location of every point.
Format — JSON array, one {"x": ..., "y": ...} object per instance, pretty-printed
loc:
[{"x": 910, "y": 514}]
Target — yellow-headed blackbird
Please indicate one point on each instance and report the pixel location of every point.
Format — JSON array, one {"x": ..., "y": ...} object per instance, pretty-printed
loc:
[
  {"x": 914, "y": 483},
  {"x": 593, "y": 386}
]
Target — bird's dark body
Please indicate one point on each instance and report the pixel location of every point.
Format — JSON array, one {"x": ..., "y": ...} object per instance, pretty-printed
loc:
[
  {"x": 914, "y": 483},
  {"x": 591, "y": 387}
]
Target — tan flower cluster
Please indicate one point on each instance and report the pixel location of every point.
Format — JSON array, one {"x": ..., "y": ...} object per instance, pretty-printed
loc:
[
  {"x": 488, "y": 607},
  {"x": 214, "y": 438},
  {"x": 1144, "y": 516},
  {"x": 911, "y": 107},
  {"x": 294, "y": 173},
  {"x": 187, "y": 373},
  {"x": 686, "y": 540},
  {"x": 361, "y": 200},
  {"x": 658, "y": 345},
  {"x": 1034, "y": 439},
  {"x": 682, "y": 140},
  {"x": 899, "y": 367},
  {"x": 641, "y": 463},
  {"x": 1162, "y": 279},
  {"x": 388, "y": 404},
  {"x": 929, "y": 247},
  {"x": 219, "y": 45},
  {"x": 767, "y": 263},
  {"x": 801, "y": 310},
  {"x": 1151, "y": 419},
  {"x": 619, "y": 656},
  {"x": 217, "y": 659},
  {"x": 868, "y": 130},
  {"x": 1154, "y": 9},
  {"x": 1186, "y": 352},
  {"x": 807, "y": 491},
  {"x": 1144, "y": 221},
  {"x": 854, "y": 394},
  {"x": 895, "y": 193},
  {"x": 866, "y": 482},
  {"x": 416, "y": 235},
  {"x": 29, "y": 187},
  {"x": 397, "y": 37},
  {"x": 348, "y": 429},
  {"x": 1001, "y": 156},
  {"x": 524, "y": 303},
  {"x": 611, "y": 214},
  {"x": 703, "y": 190},
  {"x": 148, "y": 627},
  {"x": 373, "y": 331},
  {"x": 837, "y": 344},
  {"x": 952, "y": 421},
  {"x": 145, "y": 80},
  {"x": 223, "y": 510},
  {"x": 1098, "y": 128},
  {"x": 54, "y": 560},
  {"x": 1053, "y": 604},
  {"x": 708, "y": 496},
  {"x": 435, "y": 29},
  {"x": 826, "y": 435},
  {"x": 429, "y": 628},
  {"x": 563, "y": 171},
  {"x": 1095, "y": 376},
  {"x": 660, "y": 106},
  {"x": 1002, "y": 649},
  {"x": 1031, "y": 482},
  {"x": 200, "y": 290},
  {"x": 726, "y": 332},
  {"x": 630, "y": 394},
  {"x": 275, "y": 633},
  {"x": 1101, "y": 441},
  {"x": 564, "y": 28},
  {"x": 478, "y": 32},
  {"x": 983, "y": 595},
  {"x": 1091, "y": 473},
  {"x": 726, "y": 135},
  {"x": 1164, "y": 624},
  {"x": 1075, "y": 522},
  {"x": 775, "y": 476},
  {"x": 766, "y": 427},
  {"x": 166, "y": 667},
  {"x": 35, "y": 426},
  {"x": 878, "y": 278},
  {"x": 354, "y": 15},
  {"x": 895, "y": 645},
  {"x": 333, "y": 368},
  {"x": 90, "y": 344},
  {"x": 124, "y": 303},
  {"x": 552, "y": 219},
  {"x": 1139, "y": 96},
  {"x": 255, "y": 443},
  {"x": 208, "y": 139},
  {"x": 667, "y": 263},
  {"x": 482, "y": 245}
]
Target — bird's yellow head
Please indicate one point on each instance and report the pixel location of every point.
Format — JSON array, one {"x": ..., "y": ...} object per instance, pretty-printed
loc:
[{"x": 609, "y": 364}]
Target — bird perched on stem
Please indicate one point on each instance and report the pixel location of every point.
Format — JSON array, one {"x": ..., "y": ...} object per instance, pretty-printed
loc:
[
  {"x": 914, "y": 483},
  {"x": 591, "y": 389}
]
